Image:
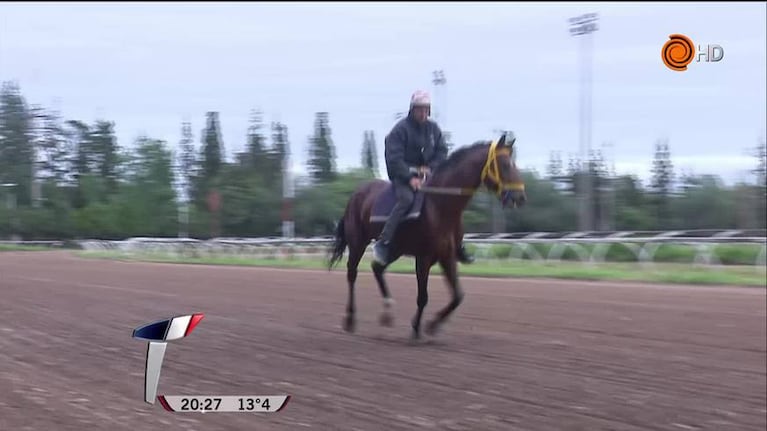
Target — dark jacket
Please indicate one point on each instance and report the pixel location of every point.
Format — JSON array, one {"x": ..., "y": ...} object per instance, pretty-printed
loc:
[{"x": 410, "y": 144}]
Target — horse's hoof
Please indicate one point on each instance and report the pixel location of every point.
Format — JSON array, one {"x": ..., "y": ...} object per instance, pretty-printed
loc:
[
  {"x": 415, "y": 336},
  {"x": 432, "y": 327},
  {"x": 349, "y": 324},
  {"x": 386, "y": 319}
]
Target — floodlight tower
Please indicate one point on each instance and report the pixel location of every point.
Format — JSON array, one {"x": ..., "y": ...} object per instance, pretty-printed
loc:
[{"x": 584, "y": 26}]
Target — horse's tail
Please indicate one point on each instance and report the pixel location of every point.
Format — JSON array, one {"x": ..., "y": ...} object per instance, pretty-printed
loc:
[{"x": 339, "y": 244}]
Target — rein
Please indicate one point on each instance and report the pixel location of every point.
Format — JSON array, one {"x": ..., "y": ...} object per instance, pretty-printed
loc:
[{"x": 490, "y": 170}]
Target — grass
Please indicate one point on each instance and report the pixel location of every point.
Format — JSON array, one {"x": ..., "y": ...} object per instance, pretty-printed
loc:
[
  {"x": 14, "y": 247},
  {"x": 659, "y": 272},
  {"x": 727, "y": 254}
]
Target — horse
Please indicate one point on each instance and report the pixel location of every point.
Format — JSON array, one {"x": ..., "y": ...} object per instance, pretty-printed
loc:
[{"x": 432, "y": 228}]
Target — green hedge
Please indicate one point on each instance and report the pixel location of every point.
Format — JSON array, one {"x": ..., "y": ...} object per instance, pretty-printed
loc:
[{"x": 727, "y": 254}]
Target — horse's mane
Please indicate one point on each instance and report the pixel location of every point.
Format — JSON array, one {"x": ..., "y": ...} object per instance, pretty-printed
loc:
[{"x": 458, "y": 155}]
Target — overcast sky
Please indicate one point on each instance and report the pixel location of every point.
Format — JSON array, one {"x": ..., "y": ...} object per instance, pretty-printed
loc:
[{"x": 512, "y": 66}]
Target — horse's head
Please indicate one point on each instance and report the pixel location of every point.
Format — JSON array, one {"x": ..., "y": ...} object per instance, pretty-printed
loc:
[
  {"x": 489, "y": 164},
  {"x": 500, "y": 174}
]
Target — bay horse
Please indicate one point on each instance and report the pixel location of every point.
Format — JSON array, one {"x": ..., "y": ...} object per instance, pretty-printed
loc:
[{"x": 432, "y": 228}]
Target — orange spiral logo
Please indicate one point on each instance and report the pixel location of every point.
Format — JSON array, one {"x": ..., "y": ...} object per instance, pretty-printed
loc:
[{"x": 677, "y": 52}]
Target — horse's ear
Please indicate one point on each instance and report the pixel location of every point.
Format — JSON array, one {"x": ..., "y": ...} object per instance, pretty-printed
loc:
[
  {"x": 507, "y": 140},
  {"x": 501, "y": 141}
]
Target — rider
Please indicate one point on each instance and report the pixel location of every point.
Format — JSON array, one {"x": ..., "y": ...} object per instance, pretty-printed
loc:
[{"x": 415, "y": 141}]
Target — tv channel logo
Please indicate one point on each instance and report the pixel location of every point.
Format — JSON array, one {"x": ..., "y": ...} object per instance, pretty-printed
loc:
[{"x": 679, "y": 51}]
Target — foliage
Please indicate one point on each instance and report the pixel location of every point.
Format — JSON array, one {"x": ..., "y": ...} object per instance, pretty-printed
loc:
[
  {"x": 321, "y": 163},
  {"x": 73, "y": 179}
]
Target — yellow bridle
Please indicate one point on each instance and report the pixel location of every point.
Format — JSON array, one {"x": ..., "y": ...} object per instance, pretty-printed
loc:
[
  {"x": 493, "y": 172},
  {"x": 490, "y": 170}
]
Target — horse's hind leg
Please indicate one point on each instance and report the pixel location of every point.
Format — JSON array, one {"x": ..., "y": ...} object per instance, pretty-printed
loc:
[
  {"x": 450, "y": 269},
  {"x": 422, "y": 269},
  {"x": 355, "y": 255},
  {"x": 387, "y": 317}
]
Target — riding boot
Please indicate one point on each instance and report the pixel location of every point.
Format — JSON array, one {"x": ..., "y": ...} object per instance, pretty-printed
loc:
[
  {"x": 381, "y": 252},
  {"x": 382, "y": 247},
  {"x": 383, "y": 243},
  {"x": 464, "y": 256}
]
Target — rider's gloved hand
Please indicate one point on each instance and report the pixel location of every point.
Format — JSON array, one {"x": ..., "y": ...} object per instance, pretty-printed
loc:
[{"x": 415, "y": 183}]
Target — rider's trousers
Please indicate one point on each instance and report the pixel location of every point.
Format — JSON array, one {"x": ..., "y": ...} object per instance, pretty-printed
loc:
[{"x": 405, "y": 196}]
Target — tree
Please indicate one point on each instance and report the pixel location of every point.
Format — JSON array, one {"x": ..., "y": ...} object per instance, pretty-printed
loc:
[
  {"x": 573, "y": 165},
  {"x": 186, "y": 159},
  {"x": 252, "y": 207},
  {"x": 280, "y": 150},
  {"x": 105, "y": 153},
  {"x": 153, "y": 170},
  {"x": 369, "y": 153},
  {"x": 760, "y": 189},
  {"x": 52, "y": 146},
  {"x": 760, "y": 153},
  {"x": 280, "y": 144},
  {"x": 631, "y": 210},
  {"x": 601, "y": 191},
  {"x": 256, "y": 149},
  {"x": 16, "y": 142},
  {"x": 706, "y": 204},
  {"x": 146, "y": 204},
  {"x": 322, "y": 155},
  {"x": 662, "y": 170},
  {"x": 554, "y": 169},
  {"x": 213, "y": 148},
  {"x": 95, "y": 159},
  {"x": 210, "y": 169},
  {"x": 79, "y": 135}
]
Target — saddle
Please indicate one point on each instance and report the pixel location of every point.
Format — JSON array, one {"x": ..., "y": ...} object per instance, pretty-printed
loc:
[{"x": 384, "y": 204}]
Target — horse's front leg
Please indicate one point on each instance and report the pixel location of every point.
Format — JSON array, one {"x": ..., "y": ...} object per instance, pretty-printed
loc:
[
  {"x": 450, "y": 268},
  {"x": 422, "y": 269},
  {"x": 387, "y": 317}
]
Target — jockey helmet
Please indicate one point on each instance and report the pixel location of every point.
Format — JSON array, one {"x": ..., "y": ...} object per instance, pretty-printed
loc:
[{"x": 420, "y": 98}]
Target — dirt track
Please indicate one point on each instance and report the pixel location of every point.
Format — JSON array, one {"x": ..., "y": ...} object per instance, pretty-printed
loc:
[{"x": 518, "y": 355}]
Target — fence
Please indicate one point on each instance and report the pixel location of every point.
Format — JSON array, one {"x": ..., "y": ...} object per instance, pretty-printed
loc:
[{"x": 586, "y": 247}]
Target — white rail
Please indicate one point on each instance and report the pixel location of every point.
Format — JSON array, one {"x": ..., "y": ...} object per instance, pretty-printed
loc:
[{"x": 589, "y": 247}]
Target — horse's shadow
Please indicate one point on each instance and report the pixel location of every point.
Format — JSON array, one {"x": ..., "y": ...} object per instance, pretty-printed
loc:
[{"x": 392, "y": 340}]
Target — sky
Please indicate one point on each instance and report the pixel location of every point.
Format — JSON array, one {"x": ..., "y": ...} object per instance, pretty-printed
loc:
[{"x": 511, "y": 66}]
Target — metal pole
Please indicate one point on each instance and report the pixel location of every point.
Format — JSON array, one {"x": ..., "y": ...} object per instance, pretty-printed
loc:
[
  {"x": 11, "y": 203},
  {"x": 439, "y": 81},
  {"x": 588, "y": 186},
  {"x": 183, "y": 210},
  {"x": 288, "y": 195},
  {"x": 440, "y": 96},
  {"x": 35, "y": 185},
  {"x": 585, "y": 25},
  {"x": 611, "y": 182},
  {"x": 34, "y": 190}
]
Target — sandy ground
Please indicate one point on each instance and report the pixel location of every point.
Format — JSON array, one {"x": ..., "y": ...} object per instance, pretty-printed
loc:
[{"x": 517, "y": 355}]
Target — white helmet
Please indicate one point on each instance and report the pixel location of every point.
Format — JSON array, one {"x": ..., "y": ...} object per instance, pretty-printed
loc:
[{"x": 420, "y": 98}]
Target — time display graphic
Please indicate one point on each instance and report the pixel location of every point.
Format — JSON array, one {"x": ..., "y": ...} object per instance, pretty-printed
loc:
[
  {"x": 224, "y": 403},
  {"x": 158, "y": 334}
]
